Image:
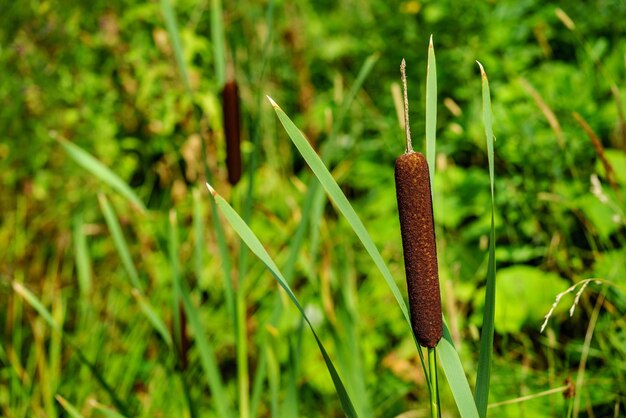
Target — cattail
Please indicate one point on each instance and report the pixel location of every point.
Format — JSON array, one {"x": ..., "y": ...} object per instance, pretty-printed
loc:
[
  {"x": 230, "y": 103},
  {"x": 418, "y": 242}
]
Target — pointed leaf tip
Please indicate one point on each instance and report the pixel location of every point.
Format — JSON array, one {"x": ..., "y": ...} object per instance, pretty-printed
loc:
[
  {"x": 211, "y": 189},
  {"x": 430, "y": 44},
  {"x": 273, "y": 104},
  {"x": 482, "y": 70}
]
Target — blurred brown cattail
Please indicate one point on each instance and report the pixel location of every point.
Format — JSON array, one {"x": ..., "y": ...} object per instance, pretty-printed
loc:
[
  {"x": 230, "y": 106},
  {"x": 419, "y": 247}
]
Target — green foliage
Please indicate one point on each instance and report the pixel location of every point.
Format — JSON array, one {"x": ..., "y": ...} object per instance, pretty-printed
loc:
[{"x": 96, "y": 103}]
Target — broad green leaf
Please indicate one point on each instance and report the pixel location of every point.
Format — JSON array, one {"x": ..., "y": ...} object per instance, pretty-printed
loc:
[
  {"x": 102, "y": 172},
  {"x": 521, "y": 283},
  {"x": 617, "y": 159},
  {"x": 253, "y": 243},
  {"x": 486, "y": 339}
]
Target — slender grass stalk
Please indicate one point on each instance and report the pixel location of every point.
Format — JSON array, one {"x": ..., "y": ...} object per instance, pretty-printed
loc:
[
  {"x": 431, "y": 112},
  {"x": 242, "y": 353},
  {"x": 172, "y": 27},
  {"x": 217, "y": 39}
]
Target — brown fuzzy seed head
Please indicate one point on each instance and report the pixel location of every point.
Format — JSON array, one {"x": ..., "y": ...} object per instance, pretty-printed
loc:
[
  {"x": 230, "y": 103},
  {"x": 420, "y": 250}
]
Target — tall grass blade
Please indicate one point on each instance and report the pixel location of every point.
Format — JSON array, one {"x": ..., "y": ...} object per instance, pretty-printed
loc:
[
  {"x": 102, "y": 172},
  {"x": 259, "y": 378},
  {"x": 106, "y": 411},
  {"x": 365, "y": 70},
  {"x": 217, "y": 39},
  {"x": 83, "y": 260},
  {"x": 198, "y": 232},
  {"x": 431, "y": 111},
  {"x": 121, "y": 246},
  {"x": 273, "y": 378},
  {"x": 69, "y": 408},
  {"x": 256, "y": 247},
  {"x": 335, "y": 193},
  {"x": 36, "y": 304},
  {"x": 452, "y": 367},
  {"x": 205, "y": 349},
  {"x": 172, "y": 248},
  {"x": 291, "y": 403},
  {"x": 152, "y": 316},
  {"x": 172, "y": 29},
  {"x": 486, "y": 338}
]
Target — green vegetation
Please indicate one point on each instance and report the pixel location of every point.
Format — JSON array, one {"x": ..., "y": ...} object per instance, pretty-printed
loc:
[{"x": 130, "y": 291}]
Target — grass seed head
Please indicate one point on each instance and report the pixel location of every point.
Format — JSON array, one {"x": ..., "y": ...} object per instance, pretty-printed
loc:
[{"x": 419, "y": 247}]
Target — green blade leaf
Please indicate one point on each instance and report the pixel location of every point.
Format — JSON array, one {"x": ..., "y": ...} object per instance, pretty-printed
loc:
[
  {"x": 341, "y": 201},
  {"x": 205, "y": 349},
  {"x": 152, "y": 316},
  {"x": 217, "y": 40},
  {"x": 486, "y": 337},
  {"x": 36, "y": 304},
  {"x": 105, "y": 410},
  {"x": 69, "y": 408},
  {"x": 452, "y": 367},
  {"x": 121, "y": 246},
  {"x": 172, "y": 29},
  {"x": 102, "y": 172},
  {"x": 83, "y": 260},
  {"x": 253, "y": 243}
]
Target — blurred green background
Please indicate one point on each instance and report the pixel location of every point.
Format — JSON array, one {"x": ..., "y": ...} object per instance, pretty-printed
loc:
[{"x": 104, "y": 75}]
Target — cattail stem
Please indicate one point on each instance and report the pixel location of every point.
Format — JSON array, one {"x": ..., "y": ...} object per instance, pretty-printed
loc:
[{"x": 435, "y": 412}]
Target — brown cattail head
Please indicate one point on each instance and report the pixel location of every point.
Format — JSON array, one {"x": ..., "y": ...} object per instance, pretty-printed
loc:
[
  {"x": 420, "y": 250},
  {"x": 230, "y": 106}
]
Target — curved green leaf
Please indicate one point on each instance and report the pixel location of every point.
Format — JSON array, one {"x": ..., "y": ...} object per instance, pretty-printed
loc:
[
  {"x": 102, "y": 172},
  {"x": 253, "y": 243}
]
